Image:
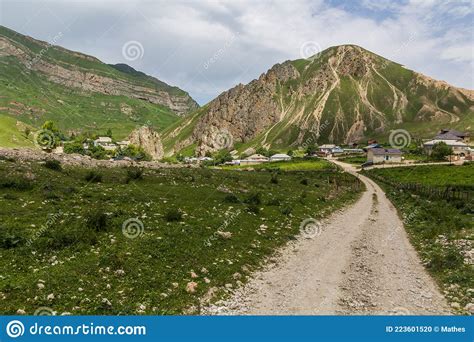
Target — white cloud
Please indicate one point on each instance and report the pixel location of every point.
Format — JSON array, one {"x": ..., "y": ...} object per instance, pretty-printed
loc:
[{"x": 431, "y": 36}]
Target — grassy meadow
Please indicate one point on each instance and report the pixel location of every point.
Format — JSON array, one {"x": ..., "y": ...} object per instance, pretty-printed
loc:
[
  {"x": 442, "y": 230},
  {"x": 130, "y": 241}
]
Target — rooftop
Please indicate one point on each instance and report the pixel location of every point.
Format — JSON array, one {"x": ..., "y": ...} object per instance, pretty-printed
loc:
[
  {"x": 447, "y": 142},
  {"x": 448, "y": 136},
  {"x": 385, "y": 151}
]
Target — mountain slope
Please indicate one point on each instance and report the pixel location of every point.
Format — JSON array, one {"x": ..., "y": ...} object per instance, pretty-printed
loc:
[
  {"x": 345, "y": 94},
  {"x": 39, "y": 82}
]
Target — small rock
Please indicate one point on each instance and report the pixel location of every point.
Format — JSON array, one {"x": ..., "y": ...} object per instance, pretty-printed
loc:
[
  {"x": 191, "y": 287},
  {"x": 225, "y": 235},
  {"x": 470, "y": 308},
  {"x": 20, "y": 312},
  {"x": 455, "y": 305}
]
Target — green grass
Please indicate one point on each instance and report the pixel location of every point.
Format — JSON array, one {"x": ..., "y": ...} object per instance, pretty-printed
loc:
[
  {"x": 356, "y": 160},
  {"x": 438, "y": 228},
  {"x": 293, "y": 165},
  {"x": 11, "y": 135},
  {"x": 437, "y": 175},
  {"x": 80, "y": 254}
]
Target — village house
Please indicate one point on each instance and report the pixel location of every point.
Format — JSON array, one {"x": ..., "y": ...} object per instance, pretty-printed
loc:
[
  {"x": 384, "y": 155},
  {"x": 330, "y": 149},
  {"x": 353, "y": 150},
  {"x": 459, "y": 148},
  {"x": 451, "y": 134},
  {"x": 254, "y": 159},
  {"x": 280, "y": 157},
  {"x": 106, "y": 143}
]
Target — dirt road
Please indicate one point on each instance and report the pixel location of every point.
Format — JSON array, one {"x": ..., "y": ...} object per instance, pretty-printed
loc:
[{"x": 360, "y": 263}]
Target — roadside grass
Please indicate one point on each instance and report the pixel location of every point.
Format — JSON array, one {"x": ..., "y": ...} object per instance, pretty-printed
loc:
[
  {"x": 355, "y": 160},
  {"x": 293, "y": 165},
  {"x": 441, "y": 230},
  {"x": 128, "y": 241}
]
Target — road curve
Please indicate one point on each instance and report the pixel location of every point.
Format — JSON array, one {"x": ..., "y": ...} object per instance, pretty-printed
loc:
[{"x": 361, "y": 264}]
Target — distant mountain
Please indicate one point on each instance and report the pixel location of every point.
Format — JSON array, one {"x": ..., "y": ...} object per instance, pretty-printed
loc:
[
  {"x": 39, "y": 82},
  {"x": 344, "y": 94}
]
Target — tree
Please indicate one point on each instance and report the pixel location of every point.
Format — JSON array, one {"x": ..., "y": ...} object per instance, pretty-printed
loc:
[
  {"x": 311, "y": 149},
  {"x": 49, "y": 136},
  {"x": 50, "y": 126},
  {"x": 74, "y": 147},
  {"x": 290, "y": 153},
  {"x": 262, "y": 150},
  {"x": 440, "y": 151},
  {"x": 223, "y": 156},
  {"x": 134, "y": 152}
]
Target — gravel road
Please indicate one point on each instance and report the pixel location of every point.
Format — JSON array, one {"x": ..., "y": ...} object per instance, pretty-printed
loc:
[{"x": 361, "y": 263}]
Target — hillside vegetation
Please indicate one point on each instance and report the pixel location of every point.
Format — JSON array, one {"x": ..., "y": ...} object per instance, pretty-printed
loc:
[
  {"x": 41, "y": 82},
  {"x": 131, "y": 241}
]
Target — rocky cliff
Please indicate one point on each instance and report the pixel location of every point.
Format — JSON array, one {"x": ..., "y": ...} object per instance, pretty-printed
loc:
[
  {"x": 149, "y": 140},
  {"x": 345, "y": 94}
]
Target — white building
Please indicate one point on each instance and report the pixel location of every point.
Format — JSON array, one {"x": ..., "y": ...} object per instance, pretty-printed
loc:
[
  {"x": 280, "y": 157},
  {"x": 254, "y": 159},
  {"x": 383, "y": 155},
  {"x": 106, "y": 143}
]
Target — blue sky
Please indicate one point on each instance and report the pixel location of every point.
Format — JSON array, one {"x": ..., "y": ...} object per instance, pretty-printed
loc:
[{"x": 206, "y": 47}]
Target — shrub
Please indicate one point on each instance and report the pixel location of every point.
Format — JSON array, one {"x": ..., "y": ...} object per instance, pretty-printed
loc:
[
  {"x": 10, "y": 197},
  {"x": 96, "y": 220},
  {"x": 274, "y": 179},
  {"x": 304, "y": 181},
  {"x": 134, "y": 173},
  {"x": 93, "y": 176},
  {"x": 8, "y": 159},
  {"x": 74, "y": 147},
  {"x": 51, "y": 196},
  {"x": 173, "y": 215},
  {"x": 231, "y": 198},
  {"x": 253, "y": 208},
  {"x": 17, "y": 184},
  {"x": 440, "y": 151},
  {"x": 286, "y": 210},
  {"x": 53, "y": 164},
  {"x": 254, "y": 198},
  {"x": 9, "y": 238},
  {"x": 274, "y": 202}
]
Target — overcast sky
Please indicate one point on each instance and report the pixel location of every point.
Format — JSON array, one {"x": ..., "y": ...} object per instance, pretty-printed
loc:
[{"x": 207, "y": 47}]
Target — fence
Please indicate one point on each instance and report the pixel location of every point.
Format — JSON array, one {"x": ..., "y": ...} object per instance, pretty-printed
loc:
[{"x": 447, "y": 192}]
